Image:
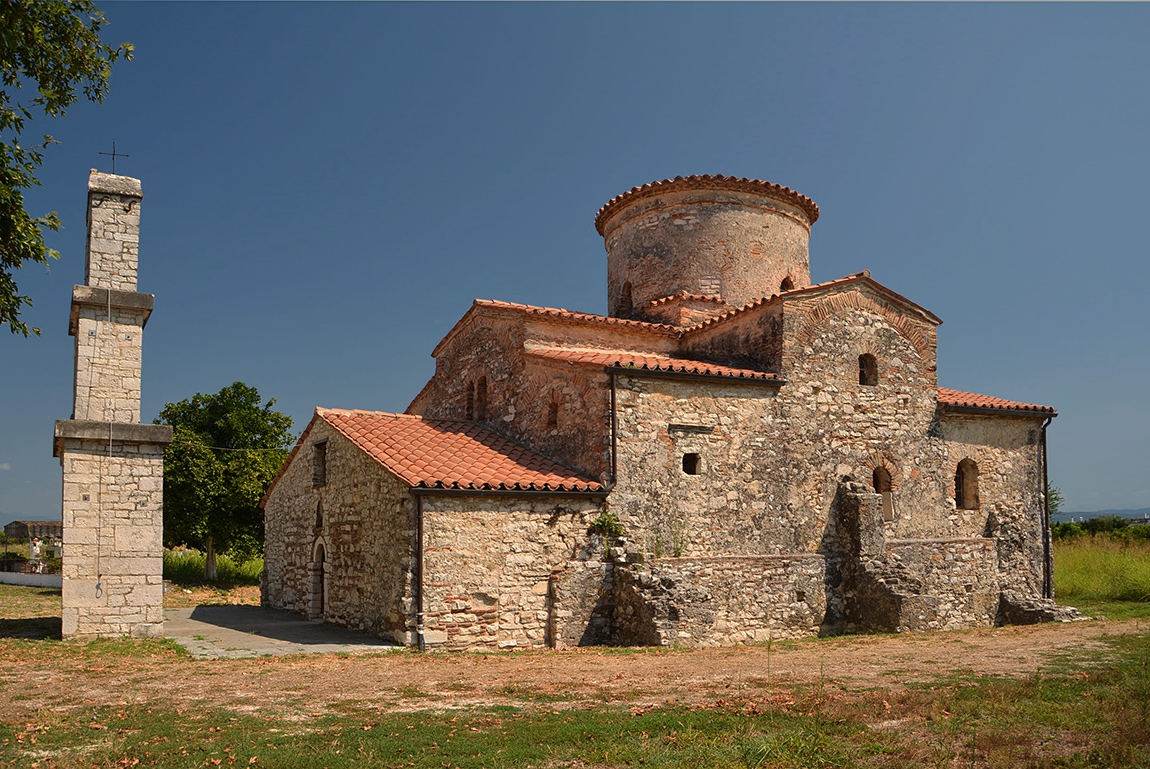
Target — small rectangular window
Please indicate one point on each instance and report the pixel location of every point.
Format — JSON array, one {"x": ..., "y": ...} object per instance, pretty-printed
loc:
[
  {"x": 691, "y": 464},
  {"x": 319, "y": 464}
]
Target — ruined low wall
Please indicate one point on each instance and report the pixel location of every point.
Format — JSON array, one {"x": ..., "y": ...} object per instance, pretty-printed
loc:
[
  {"x": 582, "y": 603},
  {"x": 958, "y": 579},
  {"x": 719, "y": 601}
]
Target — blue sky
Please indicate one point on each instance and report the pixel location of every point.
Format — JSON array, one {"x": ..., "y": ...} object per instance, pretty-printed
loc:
[{"x": 327, "y": 187}]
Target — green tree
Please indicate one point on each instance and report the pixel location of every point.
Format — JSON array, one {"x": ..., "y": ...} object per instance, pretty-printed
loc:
[
  {"x": 1054, "y": 500},
  {"x": 52, "y": 48},
  {"x": 225, "y": 452}
]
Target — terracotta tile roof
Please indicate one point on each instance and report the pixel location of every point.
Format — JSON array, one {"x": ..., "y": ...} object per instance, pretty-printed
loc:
[
  {"x": 647, "y": 362},
  {"x": 856, "y": 278},
  {"x": 955, "y": 398},
  {"x": 684, "y": 296},
  {"x": 708, "y": 181},
  {"x": 661, "y": 329},
  {"x": 588, "y": 317},
  {"x": 443, "y": 454}
]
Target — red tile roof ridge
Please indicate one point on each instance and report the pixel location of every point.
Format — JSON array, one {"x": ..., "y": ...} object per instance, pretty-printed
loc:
[
  {"x": 559, "y": 312},
  {"x": 856, "y": 277},
  {"x": 708, "y": 181},
  {"x": 948, "y": 397},
  {"x": 647, "y": 361},
  {"x": 687, "y": 296}
]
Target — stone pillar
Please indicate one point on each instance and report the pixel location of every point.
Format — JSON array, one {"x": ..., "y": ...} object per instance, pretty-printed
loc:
[{"x": 113, "y": 465}]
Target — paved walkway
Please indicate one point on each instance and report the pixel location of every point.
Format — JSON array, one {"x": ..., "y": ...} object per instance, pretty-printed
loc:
[{"x": 253, "y": 631}]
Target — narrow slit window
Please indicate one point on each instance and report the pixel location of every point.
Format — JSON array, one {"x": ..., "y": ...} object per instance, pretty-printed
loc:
[
  {"x": 481, "y": 398},
  {"x": 868, "y": 370},
  {"x": 624, "y": 305},
  {"x": 691, "y": 464},
  {"x": 881, "y": 482},
  {"x": 470, "y": 411},
  {"x": 552, "y": 415},
  {"x": 319, "y": 515},
  {"x": 320, "y": 463}
]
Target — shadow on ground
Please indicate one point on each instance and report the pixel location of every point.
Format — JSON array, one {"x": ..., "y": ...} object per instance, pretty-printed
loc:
[
  {"x": 253, "y": 631},
  {"x": 33, "y": 628}
]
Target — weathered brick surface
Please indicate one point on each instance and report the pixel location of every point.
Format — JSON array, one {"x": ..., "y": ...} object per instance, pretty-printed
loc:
[{"x": 730, "y": 243}]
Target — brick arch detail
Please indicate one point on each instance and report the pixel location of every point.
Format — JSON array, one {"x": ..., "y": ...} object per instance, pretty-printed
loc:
[
  {"x": 882, "y": 459},
  {"x": 828, "y": 306}
]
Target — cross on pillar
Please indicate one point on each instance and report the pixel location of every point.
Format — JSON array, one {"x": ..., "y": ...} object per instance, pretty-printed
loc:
[{"x": 115, "y": 155}]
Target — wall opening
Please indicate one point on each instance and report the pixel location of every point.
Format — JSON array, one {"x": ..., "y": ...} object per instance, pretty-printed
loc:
[
  {"x": 691, "y": 464},
  {"x": 966, "y": 485},
  {"x": 881, "y": 482},
  {"x": 553, "y": 415},
  {"x": 318, "y": 583},
  {"x": 868, "y": 370},
  {"x": 787, "y": 284},
  {"x": 469, "y": 411},
  {"x": 319, "y": 515},
  {"x": 623, "y": 305},
  {"x": 481, "y": 398},
  {"x": 319, "y": 464}
]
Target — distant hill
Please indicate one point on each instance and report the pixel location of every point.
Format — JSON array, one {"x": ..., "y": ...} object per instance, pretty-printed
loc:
[{"x": 1142, "y": 512}]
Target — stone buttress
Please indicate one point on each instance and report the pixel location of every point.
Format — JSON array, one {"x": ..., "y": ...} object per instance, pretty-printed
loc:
[{"x": 112, "y": 465}]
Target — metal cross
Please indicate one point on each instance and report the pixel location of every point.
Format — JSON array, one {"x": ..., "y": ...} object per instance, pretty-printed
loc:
[{"x": 115, "y": 155}]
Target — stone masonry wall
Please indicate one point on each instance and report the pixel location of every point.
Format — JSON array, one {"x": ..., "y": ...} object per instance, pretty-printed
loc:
[
  {"x": 367, "y": 533},
  {"x": 733, "y": 244},
  {"x": 113, "y": 231},
  {"x": 108, "y": 364},
  {"x": 1011, "y": 506},
  {"x": 520, "y": 391},
  {"x": 488, "y": 565},
  {"x": 113, "y": 519},
  {"x": 719, "y": 600}
]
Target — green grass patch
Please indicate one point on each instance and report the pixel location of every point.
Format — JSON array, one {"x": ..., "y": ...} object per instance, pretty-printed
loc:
[
  {"x": 1093, "y": 712},
  {"x": 186, "y": 567},
  {"x": 1101, "y": 569}
]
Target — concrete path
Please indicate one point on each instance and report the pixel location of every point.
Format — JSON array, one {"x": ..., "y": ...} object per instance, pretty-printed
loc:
[{"x": 253, "y": 631}]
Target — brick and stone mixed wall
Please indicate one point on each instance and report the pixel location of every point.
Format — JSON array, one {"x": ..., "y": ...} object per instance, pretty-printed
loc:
[
  {"x": 488, "y": 566},
  {"x": 113, "y": 518},
  {"x": 367, "y": 534}
]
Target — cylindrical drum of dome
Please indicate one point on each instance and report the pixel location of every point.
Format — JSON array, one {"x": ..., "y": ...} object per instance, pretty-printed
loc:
[{"x": 736, "y": 240}]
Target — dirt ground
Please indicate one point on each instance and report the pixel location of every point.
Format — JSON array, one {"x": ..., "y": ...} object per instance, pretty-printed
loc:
[{"x": 308, "y": 685}]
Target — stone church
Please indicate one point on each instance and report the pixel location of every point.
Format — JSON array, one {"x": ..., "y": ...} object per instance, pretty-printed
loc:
[{"x": 732, "y": 454}]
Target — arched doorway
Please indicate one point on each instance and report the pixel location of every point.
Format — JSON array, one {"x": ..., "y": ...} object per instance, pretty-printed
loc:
[{"x": 318, "y": 584}]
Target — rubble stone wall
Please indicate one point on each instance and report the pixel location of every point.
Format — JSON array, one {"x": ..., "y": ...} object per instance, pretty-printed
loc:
[
  {"x": 1011, "y": 505},
  {"x": 488, "y": 566},
  {"x": 112, "y": 565},
  {"x": 367, "y": 535},
  {"x": 720, "y": 600}
]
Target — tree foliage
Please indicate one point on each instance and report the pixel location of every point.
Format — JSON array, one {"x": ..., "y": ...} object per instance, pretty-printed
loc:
[
  {"x": 225, "y": 452},
  {"x": 50, "y": 52}
]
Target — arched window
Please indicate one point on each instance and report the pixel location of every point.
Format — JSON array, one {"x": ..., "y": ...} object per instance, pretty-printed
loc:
[
  {"x": 623, "y": 305},
  {"x": 481, "y": 398},
  {"x": 880, "y": 480},
  {"x": 787, "y": 284},
  {"x": 966, "y": 485},
  {"x": 469, "y": 413},
  {"x": 868, "y": 370},
  {"x": 319, "y": 514}
]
